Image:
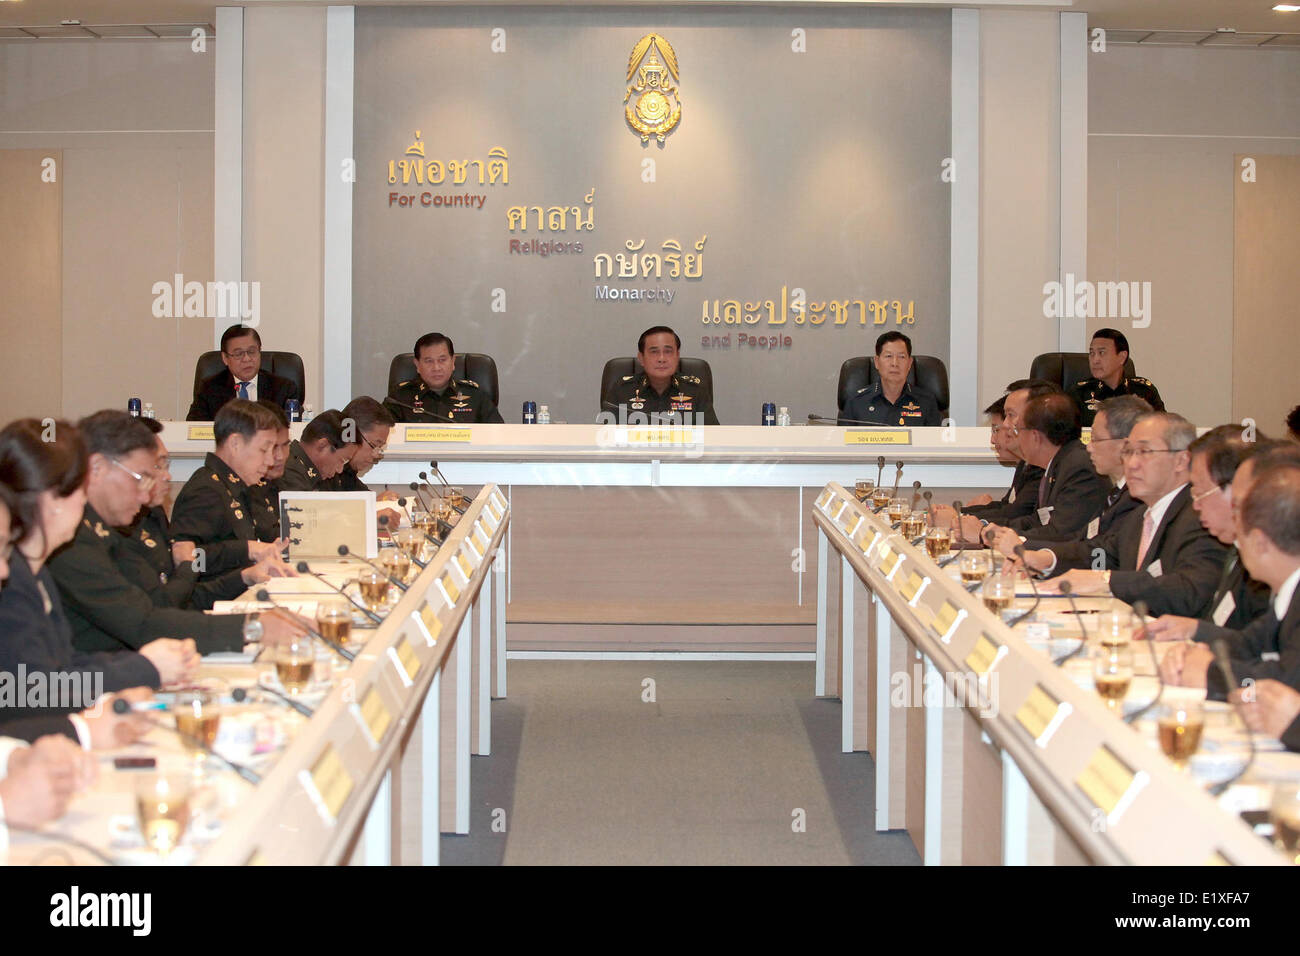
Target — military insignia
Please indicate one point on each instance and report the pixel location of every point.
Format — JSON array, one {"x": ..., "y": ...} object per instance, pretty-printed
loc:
[
  {"x": 912, "y": 407},
  {"x": 636, "y": 404},
  {"x": 311, "y": 472},
  {"x": 100, "y": 529},
  {"x": 628, "y": 378},
  {"x": 658, "y": 105},
  {"x": 234, "y": 504},
  {"x": 470, "y": 382},
  {"x": 871, "y": 408},
  {"x": 239, "y": 514},
  {"x": 148, "y": 541},
  {"x": 233, "y": 479},
  {"x": 162, "y": 577}
]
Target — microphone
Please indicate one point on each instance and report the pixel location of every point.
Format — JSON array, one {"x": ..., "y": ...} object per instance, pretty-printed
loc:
[
  {"x": 1222, "y": 658},
  {"x": 433, "y": 539},
  {"x": 265, "y": 596},
  {"x": 916, "y": 493},
  {"x": 1140, "y": 609},
  {"x": 388, "y": 399},
  {"x": 240, "y": 695},
  {"x": 825, "y": 420},
  {"x": 898, "y": 477},
  {"x": 961, "y": 535},
  {"x": 121, "y": 706},
  {"x": 414, "y": 486},
  {"x": 1020, "y": 553},
  {"x": 303, "y": 569},
  {"x": 1068, "y": 590},
  {"x": 424, "y": 475},
  {"x": 345, "y": 551},
  {"x": 438, "y": 471},
  {"x": 880, "y": 469}
]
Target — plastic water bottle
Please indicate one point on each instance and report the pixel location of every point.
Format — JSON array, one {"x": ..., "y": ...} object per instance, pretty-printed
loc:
[
  {"x": 148, "y": 410},
  {"x": 543, "y": 415},
  {"x": 783, "y": 416},
  {"x": 307, "y": 412}
]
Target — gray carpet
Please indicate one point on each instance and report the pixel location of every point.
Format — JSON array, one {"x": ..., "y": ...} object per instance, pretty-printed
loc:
[{"x": 711, "y": 772}]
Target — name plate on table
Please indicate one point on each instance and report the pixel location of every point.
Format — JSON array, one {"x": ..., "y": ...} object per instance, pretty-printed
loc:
[
  {"x": 659, "y": 436},
  {"x": 331, "y": 781},
  {"x": 431, "y": 623},
  {"x": 449, "y": 588},
  {"x": 867, "y": 436},
  {"x": 438, "y": 434},
  {"x": 405, "y": 657},
  {"x": 465, "y": 565},
  {"x": 201, "y": 433},
  {"x": 375, "y": 715},
  {"x": 985, "y": 654},
  {"x": 1038, "y": 712},
  {"x": 1105, "y": 780}
]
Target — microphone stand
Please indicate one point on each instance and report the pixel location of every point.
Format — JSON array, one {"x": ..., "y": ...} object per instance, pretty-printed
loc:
[
  {"x": 1068, "y": 590},
  {"x": 303, "y": 569},
  {"x": 265, "y": 597},
  {"x": 121, "y": 706},
  {"x": 1140, "y": 609},
  {"x": 1220, "y": 648},
  {"x": 345, "y": 551},
  {"x": 1020, "y": 551}
]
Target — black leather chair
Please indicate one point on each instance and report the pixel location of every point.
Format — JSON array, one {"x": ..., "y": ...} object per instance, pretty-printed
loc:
[
  {"x": 616, "y": 368},
  {"x": 927, "y": 371},
  {"x": 474, "y": 366},
  {"x": 1067, "y": 368},
  {"x": 284, "y": 364}
]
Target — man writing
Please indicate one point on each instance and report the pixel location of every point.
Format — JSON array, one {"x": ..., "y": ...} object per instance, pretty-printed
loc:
[{"x": 323, "y": 451}]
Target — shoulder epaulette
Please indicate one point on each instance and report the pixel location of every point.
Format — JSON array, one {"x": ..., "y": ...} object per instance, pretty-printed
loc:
[
  {"x": 693, "y": 379},
  {"x": 1082, "y": 383},
  {"x": 404, "y": 384},
  {"x": 628, "y": 378},
  {"x": 1142, "y": 381},
  {"x": 468, "y": 381}
]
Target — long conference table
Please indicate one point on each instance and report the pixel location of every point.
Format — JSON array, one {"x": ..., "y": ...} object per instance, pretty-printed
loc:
[
  {"x": 381, "y": 767},
  {"x": 988, "y": 752},
  {"x": 661, "y": 539}
]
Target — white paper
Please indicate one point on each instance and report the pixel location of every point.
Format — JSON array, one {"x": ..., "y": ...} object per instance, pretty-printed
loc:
[{"x": 317, "y": 522}]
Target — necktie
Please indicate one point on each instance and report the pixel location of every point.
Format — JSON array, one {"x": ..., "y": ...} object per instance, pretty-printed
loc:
[
  {"x": 243, "y": 390},
  {"x": 1148, "y": 532},
  {"x": 1113, "y": 497},
  {"x": 1225, "y": 578},
  {"x": 1042, "y": 491}
]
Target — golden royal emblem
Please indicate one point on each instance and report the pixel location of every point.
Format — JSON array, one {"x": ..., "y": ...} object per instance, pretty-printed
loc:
[{"x": 658, "y": 105}]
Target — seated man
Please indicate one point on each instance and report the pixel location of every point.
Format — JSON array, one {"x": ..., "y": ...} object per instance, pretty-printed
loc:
[
  {"x": 660, "y": 394},
  {"x": 1272, "y": 709},
  {"x": 436, "y": 395},
  {"x": 1070, "y": 491},
  {"x": 241, "y": 352},
  {"x": 213, "y": 510},
  {"x": 1112, "y": 425},
  {"x": 372, "y": 424},
  {"x": 265, "y": 495},
  {"x": 1268, "y": 539},
  {"x": 1217, "y": 482},
  {"x": 317, "y": 459},
  {"x": 891, "y": 399},
  {"x": 108, "y": 611},
  {"x": 1159, "y": 554},
  {"x": 1107, "y": 354}
]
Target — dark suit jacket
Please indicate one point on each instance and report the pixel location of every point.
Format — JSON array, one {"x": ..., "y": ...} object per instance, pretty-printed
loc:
[
  {"x": 110, "y": 612},
  {"x": 1265, "y": 635},
  {"x": 1112, "y": 513},
  {"x": 220, "y": 389},
  {"x": 215, "y": 511},
  {"x": 1020, "y": 499},
  {"x": 1074, "y": 493},
  {"x": 42, "y": 642},
  {"x": 1250, "y": 598},
  {"x": 1191, "y": 561}
]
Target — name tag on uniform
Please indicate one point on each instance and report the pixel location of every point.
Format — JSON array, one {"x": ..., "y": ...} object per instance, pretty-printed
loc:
[
  {"x": 1154, "y": 569},
  {"x": 1045, "y": 514},
  {"x": 1225, "y": 609},
  {"x": 1093, "y": 527},
  {"x": 1011, "y": 500}
]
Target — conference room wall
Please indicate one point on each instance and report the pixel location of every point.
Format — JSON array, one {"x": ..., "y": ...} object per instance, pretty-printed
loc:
[
  {"x": 1164, "y": 127},
  {"x": 818, "y": 170},
  {"x": 133, "y": 120}
]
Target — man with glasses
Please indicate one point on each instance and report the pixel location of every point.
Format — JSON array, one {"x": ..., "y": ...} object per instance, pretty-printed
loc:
[
  {"x": 373, "y": 423},
  {"x": 1159, "y": 554},
  {"x": 241, "y": 353},
  {"x": 107, "y": 611}
]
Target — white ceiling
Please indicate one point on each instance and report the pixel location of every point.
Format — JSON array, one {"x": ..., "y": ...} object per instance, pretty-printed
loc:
[{"x": 1243, "y": 15}]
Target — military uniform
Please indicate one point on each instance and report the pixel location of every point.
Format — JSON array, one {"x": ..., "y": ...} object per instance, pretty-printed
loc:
[
  {"x": 1091, "y": 392},
  {"x": 300, "y": 472},
  {"x": 143, "y": 551},
  {"x": 463, "y": 401},
  {"x": 345, "y": 480},
  {"x": 264, "y": 498},
  {"x": 109, "y": 612},
  {"x": 916, "y": 406},
  {"x": 214, "y": 510},
  {"x": 684, "y": 396}
]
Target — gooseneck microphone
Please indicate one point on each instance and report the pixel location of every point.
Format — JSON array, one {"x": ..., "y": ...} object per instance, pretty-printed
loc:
[
  {"x": 1068, "y": 590},
  {"x": 303, "y": 569},
  {"x": 239, "y": 695},
  {"x": 121, "y": 706},
  {"x": 345, "y": 551},
  {"x": 1020, "y": 553},
  {"x": 827, "y": 420},
  {"x": 445, "y": 497},
  {"x": 880, "y": 469},
  {"x": 415, "y": 486},
  {"x": 898, "y": 477},
  {"x": 265, "y": 596},
  {"x": 1224, "y": 660},
  {"x": 1140, "y": 609}
]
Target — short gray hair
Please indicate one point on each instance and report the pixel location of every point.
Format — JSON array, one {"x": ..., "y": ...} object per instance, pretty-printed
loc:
[
  {"x": 1122, "y": 413},
  {"x": 1178, "y": 431}
]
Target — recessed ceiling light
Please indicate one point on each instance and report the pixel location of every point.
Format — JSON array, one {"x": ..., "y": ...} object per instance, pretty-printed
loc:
[{"x": 1286, "y": 7}]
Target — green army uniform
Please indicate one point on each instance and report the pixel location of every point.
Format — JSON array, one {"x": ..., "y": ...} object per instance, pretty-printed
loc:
[
  {"x": 109, "y": 612},
  {"x": 1091, "y": 392},
  {"x": 264, "y": 499},
  {"x": 215, "y": 510},
  {"x": 633, "y": 395},
  {"x": 143, "y": 551},
  {"x": 300, "y": 472},
  {"x": 463, "y": 401},
  {"x": 345, "y": 480}
]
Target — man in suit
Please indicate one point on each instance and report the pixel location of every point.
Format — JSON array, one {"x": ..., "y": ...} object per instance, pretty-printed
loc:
[
  {"x": 1107, "y": 356},
  {"x": 107, "y": 610},
  {"x": 891, "y": 400},
  {"x": 1070, "y": 491},
  {"x": 1159, "y": 554},
  {"x": 213, "y": 510},
  {"x": 1114, "y": 422},
  {"x": 241, "y": 353},
  {"x": 1020, "y": 499},
  {"x": 435, "y": 394},
  {"x": 1268, "y": 538},
  {"x": 316, "y": 459}
]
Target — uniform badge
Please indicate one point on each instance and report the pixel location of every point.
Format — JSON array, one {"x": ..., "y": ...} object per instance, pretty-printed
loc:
[
  {"x": 148, "y": 541},
  {"x": 233, "y": 479},
  {"x": 162, "y": 577},
  {"x": 636, "y": 404},
  {"x": 100, "y": 529},
  {"x": 681, "y": 403},
  {"x": 239, "y": 514},
  {"x": 871, "y": 408},
  {"x": 311, "y": 472}
]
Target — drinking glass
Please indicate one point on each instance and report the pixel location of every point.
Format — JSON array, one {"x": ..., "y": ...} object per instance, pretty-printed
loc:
[
  {"x": 1112, "y": 672},
  {"x": 1180, "y": 726}
]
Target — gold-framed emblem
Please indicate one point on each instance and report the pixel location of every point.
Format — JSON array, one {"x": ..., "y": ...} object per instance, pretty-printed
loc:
[{"x": 657, "y": 108}]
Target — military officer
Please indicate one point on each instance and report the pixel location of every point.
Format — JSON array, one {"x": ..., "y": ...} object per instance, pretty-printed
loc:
[
  {"x": 213, "y": 510},
  {"x": 372, "y": 423},
  {"x": 1107, "y": 354},
  {"x": 264, "y": 497},
  {"x": 436, "y": 395},
  {"x": 661, "y": 393},
  {"x": 318, "y": 457},
  {"x": 891, "y": 399}
]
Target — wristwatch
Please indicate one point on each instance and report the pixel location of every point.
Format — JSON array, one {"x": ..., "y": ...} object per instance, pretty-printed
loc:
[
  {"x": 253, "y": 628},
  {"x": 1105, "y": 577}
]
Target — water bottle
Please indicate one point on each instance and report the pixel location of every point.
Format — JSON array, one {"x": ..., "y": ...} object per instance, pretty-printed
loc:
[
  {"x": 543, "y": 415},
  {"x": 293, "y": 410},
  {"x": 148, "y": 410},
  {"x": 530, "y": 413},
  {"x": 769, "y": 413},
  {"x": 783, "y": 418},
  {"x": 133, "y": 407},
  {"x": 307, "y": 412}
]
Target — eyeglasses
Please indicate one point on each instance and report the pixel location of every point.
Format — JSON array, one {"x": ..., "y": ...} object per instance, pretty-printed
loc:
[
  {"x": 245, "y": 353},
  {"x": 163, "y": 464},
  {"x": 1142, "y": 454},
  {"x": 1099, "y": 441},
  {"x": 1227, "y": 493},
  {"x": 145, "y": 482},
  {"x": 379, "y": 450}
]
